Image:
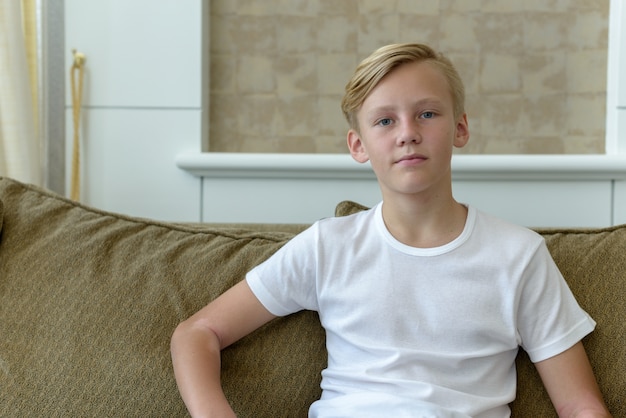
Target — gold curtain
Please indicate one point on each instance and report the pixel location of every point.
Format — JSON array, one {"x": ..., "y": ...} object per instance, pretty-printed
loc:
[
  {"x": 20, "y": 147},
  {"x": 29, "y": 24}
]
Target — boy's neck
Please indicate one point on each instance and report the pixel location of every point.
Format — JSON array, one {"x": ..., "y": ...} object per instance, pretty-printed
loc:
[{"x": 424, "y": 224}]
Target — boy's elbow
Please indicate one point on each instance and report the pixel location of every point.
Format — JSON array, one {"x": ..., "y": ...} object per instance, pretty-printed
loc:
[
  {"x": 178, "y": 336},
  {"x": 191, "y": 333},
  {"x": 178, "y": 339}
]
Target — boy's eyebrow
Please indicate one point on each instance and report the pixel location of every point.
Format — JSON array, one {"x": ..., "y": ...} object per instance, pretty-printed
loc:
[{"x": 392, "y": 107}]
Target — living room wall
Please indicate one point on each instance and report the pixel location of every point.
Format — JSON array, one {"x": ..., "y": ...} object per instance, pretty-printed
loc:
[{"x": 535, "y": 71}]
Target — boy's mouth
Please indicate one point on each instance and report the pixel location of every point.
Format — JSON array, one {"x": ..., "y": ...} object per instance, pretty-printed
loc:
[{"x": 411, "y": 159}]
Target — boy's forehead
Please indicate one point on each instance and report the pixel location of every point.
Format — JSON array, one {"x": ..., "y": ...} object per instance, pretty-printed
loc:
[{"x": 426, "y": 79}]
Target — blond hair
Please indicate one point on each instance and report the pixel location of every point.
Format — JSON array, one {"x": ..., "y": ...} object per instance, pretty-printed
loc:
[{"x": 385, "y": 59}]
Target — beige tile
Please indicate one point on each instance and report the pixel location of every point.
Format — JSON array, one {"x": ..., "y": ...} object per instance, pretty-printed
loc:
[
  {"x": 223, "y": 7},
  {"x": 296, "y": 144},
  {"x": 336, "y": 34},
  {"x": 333, "y": 72},
  {"x": 255, "y": 74},
  {"x": 544, "y": 73},
  {"x": 296, "y": 34},
  {"x": 222, "y": 73},
  {"x": 500, "y": 6},
  {"x": 458, "y": 33},
  {"x": 588, "y": 30},
  {"x": 376, "y": 30},
  {"x": 546, "y": 115},
  {"x": 296, "y": 74},
  {"x": 221, "y": 30},
  {"x": 297, "y": 115},
  {"x": 501, "y": 144},
  {"x": 584, "y": 144},
  {"x": 586, "y": 114},
  {"x": 500, "y": 33},
  {"x": 502, "y": 114},
  {"x": 349, "y": 8},
  {"x": 330, "y": 144},
  {"x": 298, "y": 7},
  {"x": 377, "y": 6},
  {"x": 587, "y": 5},
  {"x": 260, "y": 144},
  {"x": 468, "y": 66},
  {"x": 221, "y": 140},
  {"x": 542, "y": 145},
  {"x": 224, "y": 112},
  {"x": 477, "y": 144},
  {"x": 586, "y": 71},
  {"x": 473, "y": 110},
  {"x": 331, "y": 121},
  {"x": 418, "y": 28},
  {"x": 553, "y": 6},
  {"x": 423, "y": 7},
  {"x": 545, "y": 31},
  {"x": 256, "y": 8},
  {"x": 252, "y": 34},
  {"x": 256, "y": 115},
  {"x": 459, "y": 6},
  {"x": 500, "y": 74}
]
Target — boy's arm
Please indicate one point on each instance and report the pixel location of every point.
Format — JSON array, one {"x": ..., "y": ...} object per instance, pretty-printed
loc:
[
  {"x": 572, "y": 387},
  {"x": 197, "y": 342}
]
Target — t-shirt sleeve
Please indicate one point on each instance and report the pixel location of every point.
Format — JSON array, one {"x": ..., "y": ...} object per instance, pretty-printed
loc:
[
  {"x": 550, "y": 320},
  {"x": 285, "y": 282}
]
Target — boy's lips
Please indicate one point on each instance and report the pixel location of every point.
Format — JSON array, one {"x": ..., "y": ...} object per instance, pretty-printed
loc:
[{"x": 411, "y": 159}]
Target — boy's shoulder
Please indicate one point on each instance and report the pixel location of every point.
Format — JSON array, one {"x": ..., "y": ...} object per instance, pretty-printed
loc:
[{"x": 500, "y": 231}]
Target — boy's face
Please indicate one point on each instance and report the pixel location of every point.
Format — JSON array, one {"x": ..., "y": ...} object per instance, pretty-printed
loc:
[{"x": 407, "y": 130}]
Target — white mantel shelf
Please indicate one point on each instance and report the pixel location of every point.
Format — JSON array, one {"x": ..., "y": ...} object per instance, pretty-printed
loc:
[{"x": 464, "y": 167}]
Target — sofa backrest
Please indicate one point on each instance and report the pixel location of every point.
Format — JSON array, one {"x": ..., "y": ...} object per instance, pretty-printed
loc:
[{"x": 89, "y": 300}]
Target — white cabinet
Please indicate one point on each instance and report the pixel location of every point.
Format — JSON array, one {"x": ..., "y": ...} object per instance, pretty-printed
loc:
[
  {"x": 281, "y": 200},
  {"x": 534, "y": 191},
  {"x": 534, "y": 203},
  {"x": 619, "y": 209}
]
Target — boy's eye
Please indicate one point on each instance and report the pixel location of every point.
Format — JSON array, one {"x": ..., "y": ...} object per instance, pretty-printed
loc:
[
  {"x": 384, "y": 122},
  {"x": 428, "y": 115}
]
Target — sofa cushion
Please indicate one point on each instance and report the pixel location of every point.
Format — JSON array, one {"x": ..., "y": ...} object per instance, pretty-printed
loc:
[
  {"x": 89, "y": 300},
  {"x": 593, "y": 262}
]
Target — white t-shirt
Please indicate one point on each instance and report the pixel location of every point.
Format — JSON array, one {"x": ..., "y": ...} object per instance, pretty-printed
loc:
[{"x": 422, "y": 332}]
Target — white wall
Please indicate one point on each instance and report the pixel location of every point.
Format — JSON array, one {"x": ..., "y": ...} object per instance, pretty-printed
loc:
[
  {"x": 616, "y": 80},
  {"x": 142, "y": 103}
]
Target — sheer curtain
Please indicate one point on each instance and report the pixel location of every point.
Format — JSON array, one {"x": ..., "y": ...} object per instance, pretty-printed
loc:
[{"x": 20, "y": 153}]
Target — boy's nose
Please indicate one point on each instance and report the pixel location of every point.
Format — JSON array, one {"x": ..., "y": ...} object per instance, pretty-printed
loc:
[{"x": 409, "y": 133}]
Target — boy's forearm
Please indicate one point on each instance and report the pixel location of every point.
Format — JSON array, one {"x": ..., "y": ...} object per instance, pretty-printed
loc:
[
  {"x": 196, "y": 361},
  {"x": 571, "y": 384}
]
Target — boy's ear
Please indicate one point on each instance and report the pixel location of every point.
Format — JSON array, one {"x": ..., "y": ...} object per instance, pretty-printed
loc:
[
  {"x": 461, "y": 136},
  {"x": 355, "y": 145}
]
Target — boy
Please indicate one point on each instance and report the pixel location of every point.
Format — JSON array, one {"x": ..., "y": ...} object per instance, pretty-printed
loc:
[{"x": 425, "y": 312}]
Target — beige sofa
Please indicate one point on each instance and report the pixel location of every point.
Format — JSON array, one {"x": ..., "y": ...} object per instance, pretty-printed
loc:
[{"x": 89, "y": 300}]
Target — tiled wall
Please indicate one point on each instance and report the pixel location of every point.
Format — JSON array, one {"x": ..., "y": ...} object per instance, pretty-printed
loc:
[{"x": 535, "y": 70}]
